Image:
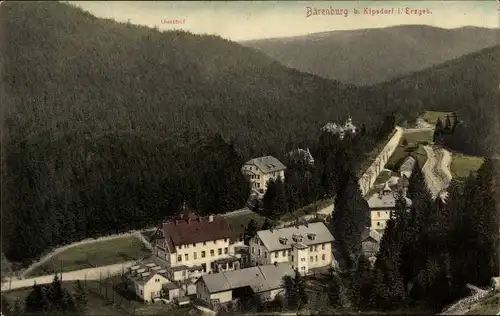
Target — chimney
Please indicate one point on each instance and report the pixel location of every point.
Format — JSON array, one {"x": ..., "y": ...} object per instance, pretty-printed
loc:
[
  {"x": 275, "y": 263},
  {"x": 210, "y": 218}
]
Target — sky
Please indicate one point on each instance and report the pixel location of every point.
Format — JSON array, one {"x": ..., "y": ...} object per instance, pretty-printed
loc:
[{"x": 242, "y": 20}]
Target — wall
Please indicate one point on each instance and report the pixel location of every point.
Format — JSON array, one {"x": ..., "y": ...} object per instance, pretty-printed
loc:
[
  {"x": 370, "y": 175},
  {"x": 317, "y": 255},
  {"x": 84, "y": 274}
]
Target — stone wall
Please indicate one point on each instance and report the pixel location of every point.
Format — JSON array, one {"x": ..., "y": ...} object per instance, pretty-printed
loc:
[{"x": 368, "y": 178}]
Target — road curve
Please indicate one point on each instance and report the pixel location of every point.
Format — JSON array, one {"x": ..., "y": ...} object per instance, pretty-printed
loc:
[{"x": 437, "y": 169}]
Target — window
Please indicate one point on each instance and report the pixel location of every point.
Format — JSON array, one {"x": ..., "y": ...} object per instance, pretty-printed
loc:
[
  {"x": 311, "y": 248},
  {"x": 378, "y": 214},
  {"x": 311, "y": 258},
  {"x": 204, "y": 243},
  {"x": 225, "y": 239},
  {"x": 195, "y": 256},
  {"x": 302, "y": 268},
  {"x": 157, "y": 280},
  {"x": 179, "y": 258},
  {"x": 378, "y": 223},
  {"x": 215, "y": 241},
  {"x": 323, "y": 247},
  {"x": 265, "y": 254},
  {"x": 303, "y": 259},
  {"x": 203, "y": 254},
  {"x": 323, "y": 257},
  {"x": 194, "y": 245},
  {"x": 276, "y": 254},
  {"x": 212, "y": 252},
  {"x": 186, "y": 257},
  {"x": 292, "y": 257},
  {"x": 284, "y": 253},
  {"x": 259, "y": 252},
  {"x": 220, "y": 251},
  {"x": 316, "y": 258},
  {"x": 225, "y": 251},
  {"x": 253, "y": 249}
]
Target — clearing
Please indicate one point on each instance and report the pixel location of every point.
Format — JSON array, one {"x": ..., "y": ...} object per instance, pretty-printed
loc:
[
  {"x": 96, "y": 254},
  {"x": 462, "y": 165},
  {"x": 431, "y": 117},
  {"x": 312, "y": 208}
]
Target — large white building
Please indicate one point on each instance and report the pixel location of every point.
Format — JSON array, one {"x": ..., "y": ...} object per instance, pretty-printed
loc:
[
  {"x": 382, "y": 205},
  {"x": 305, "y": 247},
  {"x": 260, "y": 170},
  {"x": 192, "y": 246}
]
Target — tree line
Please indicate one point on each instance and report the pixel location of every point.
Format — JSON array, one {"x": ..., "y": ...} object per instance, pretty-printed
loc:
[{"x": 140, "y": 122}]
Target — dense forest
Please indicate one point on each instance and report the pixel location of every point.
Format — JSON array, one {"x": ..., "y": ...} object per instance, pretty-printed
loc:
[
  {"x": 468, "y": 85},
  {"x": 109, "y": 127},
  {"x": 428, "y": 253}
]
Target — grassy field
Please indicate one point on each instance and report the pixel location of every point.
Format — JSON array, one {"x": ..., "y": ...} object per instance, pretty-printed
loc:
[
  {"x": 95, "y": 254},
  {"x": 418, "y": 138},
  {"x": 239, "y": 222},
  {"x": 489, "y": 306},
  {"x": 431, "y": 117},
  {"x": 462, "y": 165}
]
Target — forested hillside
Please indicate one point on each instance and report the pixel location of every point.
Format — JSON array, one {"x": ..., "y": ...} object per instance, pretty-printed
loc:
[
  {"x": 370, "y": 56},
  {"x": 109, "y": 127},
  {"x": 468, "y": 85}
]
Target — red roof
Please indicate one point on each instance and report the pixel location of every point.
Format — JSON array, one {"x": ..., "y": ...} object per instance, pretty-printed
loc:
[{"x": 192, "y": 229}]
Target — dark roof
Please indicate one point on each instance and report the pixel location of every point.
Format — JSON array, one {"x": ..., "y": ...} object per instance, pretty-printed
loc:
[{"x": 194, "y": 229}]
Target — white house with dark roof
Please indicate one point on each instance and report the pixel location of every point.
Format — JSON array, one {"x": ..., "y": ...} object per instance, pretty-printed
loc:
[
  {"x": 382, "y": 205},
  {"x": 305, "y": 247},
  {"x": 149, "y": 280},
  {"x": 260, "y": 170},
  {"x": 227, "y": 286}
]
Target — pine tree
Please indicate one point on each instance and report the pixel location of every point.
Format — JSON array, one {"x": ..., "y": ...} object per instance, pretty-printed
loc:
[
  {"x": 267, "y": 225},
  {"x": 56, "y": 293},
  {"x": 447, "y": 124},
  {"x": 291, "y": 292},
  {"x": 361, "y": 286},
  {"x": 351, "y": 216},
  {"x": 300, "y": 285},
  {"x": 274, "y": 200},
  {"x": 81, "y": 297},
  {"x": 337, "y": 293},
  {"x": 250, "y": 230},
  {"x": 18, "y": 309}
]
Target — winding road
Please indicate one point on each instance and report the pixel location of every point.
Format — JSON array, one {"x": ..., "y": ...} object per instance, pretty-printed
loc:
[{"x": 437, "y": 170}]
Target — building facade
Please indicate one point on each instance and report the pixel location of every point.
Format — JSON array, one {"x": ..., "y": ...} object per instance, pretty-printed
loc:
[
  {"x": 191, "y": 246},
  {"x": 382, "y": 205},
  {"x": 260, "y": 170},
  {"x": 305, "y": 247},
  {"x": 265, "y": 281}
]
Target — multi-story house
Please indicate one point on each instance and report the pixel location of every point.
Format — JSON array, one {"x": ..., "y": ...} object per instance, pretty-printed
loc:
[
  {"x": 305, "y": 247},
  {"x": 260, "y": 170},
  {"x": 191, "y": 246},
  {"x": 382, "y": 205}
]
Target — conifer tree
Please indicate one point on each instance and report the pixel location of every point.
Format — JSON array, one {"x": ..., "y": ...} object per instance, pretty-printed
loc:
[
  {"x": 250, "y": 231},
  {"x": 81, "y": 297}
]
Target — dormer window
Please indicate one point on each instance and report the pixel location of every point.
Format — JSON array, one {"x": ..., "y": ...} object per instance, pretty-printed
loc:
[
  {"x": 311, "y": 236},
  {"x": 283, "y": 240},
  {"x": 297, "y": 238}
]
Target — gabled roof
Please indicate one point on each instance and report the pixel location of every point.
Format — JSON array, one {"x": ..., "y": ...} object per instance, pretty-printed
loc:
[
  {"x": 271, "y": 238},
  {"x": 195, "y": 229},
  {"x": 267, "y": 164},
  {"x": 407, "y": 165},
  {"x": 371, "y": 233},
  {"x": 259, "y": 278}
]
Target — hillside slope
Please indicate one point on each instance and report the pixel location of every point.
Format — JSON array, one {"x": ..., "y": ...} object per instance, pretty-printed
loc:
[
  {"x": 468, "y": 85},
  {"x": 109, "y": 127},
  {"x": 371, "y": 56}
]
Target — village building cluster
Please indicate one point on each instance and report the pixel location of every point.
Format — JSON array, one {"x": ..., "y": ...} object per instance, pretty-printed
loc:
[{"x": 202, "y": 256}]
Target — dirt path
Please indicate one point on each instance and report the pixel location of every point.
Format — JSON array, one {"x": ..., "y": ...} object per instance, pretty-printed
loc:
[{"x": 437, "y": 169}]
